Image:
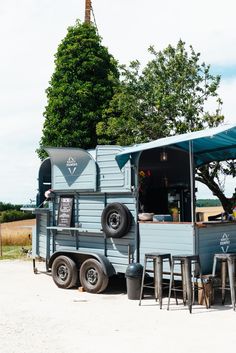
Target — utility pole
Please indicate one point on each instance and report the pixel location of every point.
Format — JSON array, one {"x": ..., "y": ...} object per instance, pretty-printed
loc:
[{"x": 88, "y": 8}]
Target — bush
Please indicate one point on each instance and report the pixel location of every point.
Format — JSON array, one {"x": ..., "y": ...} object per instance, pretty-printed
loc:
[{"x": 14, "y": 215}]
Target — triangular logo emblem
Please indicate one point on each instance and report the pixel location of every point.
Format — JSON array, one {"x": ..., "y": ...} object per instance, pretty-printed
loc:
[
  {"x": 225, "y": 242},
  {"x": 71, "y": 165}
]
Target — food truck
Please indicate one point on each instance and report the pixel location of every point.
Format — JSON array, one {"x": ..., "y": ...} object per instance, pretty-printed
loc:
[{"x": 100, "y": 210}]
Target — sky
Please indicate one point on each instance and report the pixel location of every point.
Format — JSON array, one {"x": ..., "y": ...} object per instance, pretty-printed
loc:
[{"x": 31, "y": 31}]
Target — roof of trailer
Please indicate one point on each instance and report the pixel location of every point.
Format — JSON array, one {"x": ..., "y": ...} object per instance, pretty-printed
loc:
[{"x": 212, "y": 144}]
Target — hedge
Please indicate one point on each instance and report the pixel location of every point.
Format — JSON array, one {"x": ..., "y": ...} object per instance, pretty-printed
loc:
[{"x": 15, "y": 215}]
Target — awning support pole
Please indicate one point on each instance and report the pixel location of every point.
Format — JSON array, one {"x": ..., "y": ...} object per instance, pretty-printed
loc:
[{"x": 192, "y": 183}]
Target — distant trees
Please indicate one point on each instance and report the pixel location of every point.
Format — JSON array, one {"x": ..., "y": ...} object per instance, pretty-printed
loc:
[
  {"x": 208, "y": 203},
  {"x": 81, "y": 87},
  {"x": 10, "y": 212},
  {"x": 8, "y": 206},
  {"x": 14, "y": 215}
]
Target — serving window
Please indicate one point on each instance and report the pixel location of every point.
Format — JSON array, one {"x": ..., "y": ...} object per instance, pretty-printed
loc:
[{"x": 164, "y": 183}]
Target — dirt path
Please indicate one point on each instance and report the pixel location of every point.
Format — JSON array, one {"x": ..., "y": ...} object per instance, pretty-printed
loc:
[{"x": 38, "y": 317}]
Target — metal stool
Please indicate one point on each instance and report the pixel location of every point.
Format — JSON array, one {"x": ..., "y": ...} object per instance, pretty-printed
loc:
[
  {"x": 228, "y": 261},
  {"x": 157, "y": 260},
  {"x": 189, "y": 275}
]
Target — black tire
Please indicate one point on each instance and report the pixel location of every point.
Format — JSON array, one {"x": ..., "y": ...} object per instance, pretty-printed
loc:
[
  {"x": 64, "y": 272},
  {"x": 116, "y": 220},
  {"x": 92, "y": 277}
]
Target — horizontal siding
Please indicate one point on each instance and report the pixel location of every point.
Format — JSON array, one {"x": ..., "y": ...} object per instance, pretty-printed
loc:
[
  {"x": 166, "y": 238},
  {"x": 108, "y": 163},
  {"x": 91, "y": 242},
  {"x": 64, "y": 240},
  {"x": 110, "y": 177},
  {"x": 41, "y": 235},
  {"x": 90, "y": 209}
]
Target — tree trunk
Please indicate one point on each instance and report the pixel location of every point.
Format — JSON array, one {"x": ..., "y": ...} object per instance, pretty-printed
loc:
[{"x": 203, "y": 175}]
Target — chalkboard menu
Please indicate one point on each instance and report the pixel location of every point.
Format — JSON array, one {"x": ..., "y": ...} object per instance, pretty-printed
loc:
[{"x": 65, "y": 211}]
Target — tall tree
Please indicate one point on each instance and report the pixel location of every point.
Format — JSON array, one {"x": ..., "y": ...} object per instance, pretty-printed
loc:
[
  {"x": 81, "y": 87},
  {"x": 169, "y": 96}
]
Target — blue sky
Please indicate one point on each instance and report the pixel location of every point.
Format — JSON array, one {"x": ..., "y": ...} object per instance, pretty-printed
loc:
[
  {"x": 226, "y": 72},
  {"x": 31, "y": 31}
]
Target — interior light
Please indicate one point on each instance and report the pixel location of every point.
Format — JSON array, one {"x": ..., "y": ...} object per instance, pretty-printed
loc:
[{"x": 163, "y": 156}]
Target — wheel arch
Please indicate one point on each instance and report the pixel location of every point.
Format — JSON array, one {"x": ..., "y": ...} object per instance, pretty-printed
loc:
[{"x": 79, "y": 257}]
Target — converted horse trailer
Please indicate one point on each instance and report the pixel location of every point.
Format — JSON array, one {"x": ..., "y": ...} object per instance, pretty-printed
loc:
[{"x": 100, "y": 210}]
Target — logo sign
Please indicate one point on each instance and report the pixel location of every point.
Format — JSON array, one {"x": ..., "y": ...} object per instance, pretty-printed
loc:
[
  {"x": 224, "y": 242},
  {"x": 71, "y": 165}
]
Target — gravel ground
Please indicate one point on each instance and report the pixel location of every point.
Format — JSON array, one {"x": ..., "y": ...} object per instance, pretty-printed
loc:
[{"x": 38, "y": 317}]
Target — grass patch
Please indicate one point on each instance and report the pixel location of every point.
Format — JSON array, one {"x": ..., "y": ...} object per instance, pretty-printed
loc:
[{"x": 14, "y": 252}]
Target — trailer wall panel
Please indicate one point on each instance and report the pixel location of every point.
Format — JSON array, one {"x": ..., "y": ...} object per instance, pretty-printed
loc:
[
  {"x": 110, "y": 176},
  {"x": 166, "y": 238},
  {"x": 213, "y": 239}
]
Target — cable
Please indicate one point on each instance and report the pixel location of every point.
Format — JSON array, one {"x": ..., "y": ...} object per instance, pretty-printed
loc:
[{"x": 94, "y": 20}]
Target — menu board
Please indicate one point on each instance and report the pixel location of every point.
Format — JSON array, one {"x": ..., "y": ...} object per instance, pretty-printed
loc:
[{"x": 65, "y": 211}]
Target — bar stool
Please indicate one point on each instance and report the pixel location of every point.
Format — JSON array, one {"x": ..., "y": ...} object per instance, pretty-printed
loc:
[
  {"x": 227, "y": 261},
  {"x": 190, "y": 274},
  {"x": 157, "y": 260}
]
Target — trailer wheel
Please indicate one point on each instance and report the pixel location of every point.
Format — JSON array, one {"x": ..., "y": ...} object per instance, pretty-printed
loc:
[
  {"x": 64, "y": 272},
  {"x": 116, "y": 220},
  {"x": 92, "y": 277}
]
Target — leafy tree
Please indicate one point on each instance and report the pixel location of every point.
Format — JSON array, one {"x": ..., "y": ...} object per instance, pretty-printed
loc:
[
  {"x": 169, "y": 96},
  {"x": 214, "y": 176},
  {"x": 80, "y": 89}
]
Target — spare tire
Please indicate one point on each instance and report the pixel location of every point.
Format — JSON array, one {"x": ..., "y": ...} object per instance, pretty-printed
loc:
[{"x": 116, "y": 220}]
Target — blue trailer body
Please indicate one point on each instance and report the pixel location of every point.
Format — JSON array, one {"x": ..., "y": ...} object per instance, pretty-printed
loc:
[
  {"x": 109, "y": 175},
  {"x": 94, "y": 180}
]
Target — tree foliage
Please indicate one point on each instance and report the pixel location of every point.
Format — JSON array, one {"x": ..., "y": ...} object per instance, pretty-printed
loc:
[
  {"x": 80, "y": 88},
  {"x": 168, "y": 97},
  {"x": 171, "y": 95}
]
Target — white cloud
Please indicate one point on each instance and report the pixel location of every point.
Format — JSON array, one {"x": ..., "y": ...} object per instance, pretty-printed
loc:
[
  {"x": 31, "y": 31},
  {"x": 129, "y": 27}
]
